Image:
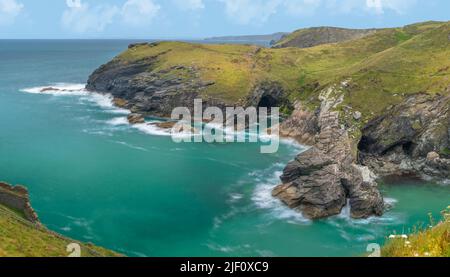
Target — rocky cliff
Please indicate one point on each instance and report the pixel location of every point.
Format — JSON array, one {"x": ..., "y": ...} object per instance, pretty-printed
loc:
[
  {"x": 321, "y": 181},
  {"x": 370, "y": 106},
  {"x": 412, "y": 138},
  {"x": 18, "y": 199}
]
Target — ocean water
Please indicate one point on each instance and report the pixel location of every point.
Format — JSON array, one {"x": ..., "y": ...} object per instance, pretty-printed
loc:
[{"x": 93, "y": 177}]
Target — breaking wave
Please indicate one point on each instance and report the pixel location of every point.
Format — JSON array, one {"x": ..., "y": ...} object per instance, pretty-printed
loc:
[
  {"x": 262, "y": 198},
  {"x": 104, "y": 101}
]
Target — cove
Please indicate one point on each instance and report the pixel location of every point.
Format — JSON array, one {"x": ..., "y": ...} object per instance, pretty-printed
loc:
[{"x": 95, "y": 178}]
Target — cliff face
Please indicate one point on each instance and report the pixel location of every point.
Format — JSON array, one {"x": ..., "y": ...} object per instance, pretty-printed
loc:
[
  {"x": 410, "y": 138},
  {"x": 146, "y": 92},
  {"x": 18, "y": 199},
  {"x": 321, "y": 181}
]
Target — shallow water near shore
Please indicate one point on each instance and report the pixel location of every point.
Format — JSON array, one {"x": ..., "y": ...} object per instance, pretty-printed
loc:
[{"x": 94, "y": 178}]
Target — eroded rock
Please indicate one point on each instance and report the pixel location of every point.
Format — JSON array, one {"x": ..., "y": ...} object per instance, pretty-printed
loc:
[
  {"x": 323, "y": 179},
  {"x": 17, "y": 198},
  {"x": 135, "y": 118},
  {"x": 409, "y": 138}
]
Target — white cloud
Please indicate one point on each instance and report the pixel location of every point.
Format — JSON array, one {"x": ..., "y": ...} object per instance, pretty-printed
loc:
[
  {"x": 73, "y": 3},
  {"x": 259, "y": 11},
  {"x": 375, "y": 5},
  {"x": 345, "y": 6},
  {"x": 378, "y": 7},
  {"x": 398, "y": 6},
  {"x": 250, "y": 11},
  {"x": 139, "y": 12},
  {"x": 9, "y": 10},
  {"x": 189, "y": 5},
  {"x": 301, "y": 7},
  {"x": 81, "y": 18}
]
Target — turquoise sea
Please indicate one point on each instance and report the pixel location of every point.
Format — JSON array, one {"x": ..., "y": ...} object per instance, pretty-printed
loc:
[{"x": 94, "y": 178}]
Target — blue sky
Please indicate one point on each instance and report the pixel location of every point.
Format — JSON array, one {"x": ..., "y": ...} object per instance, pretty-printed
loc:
[{"x": 203, "y": 18}]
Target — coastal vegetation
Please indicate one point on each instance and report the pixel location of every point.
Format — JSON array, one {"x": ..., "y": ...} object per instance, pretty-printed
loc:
[
  {"x": 432, "y": 240},
  {"x": 381, "y": 67},
  {"x": 21, "y": 237}
]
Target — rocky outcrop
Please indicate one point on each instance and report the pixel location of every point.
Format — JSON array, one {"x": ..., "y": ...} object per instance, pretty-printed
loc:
[
  {"x": 302, "y": 125},
  {"x": 311, "y": 184},
  {"x": 305, "y": 38},
  {"x": 18, "y": 199},
  {"x": 410, "y": 138},
  {"x": 322, "y": 180},
  {"x": 140, "y": 89},
  {"x": 135, "y": 118}
]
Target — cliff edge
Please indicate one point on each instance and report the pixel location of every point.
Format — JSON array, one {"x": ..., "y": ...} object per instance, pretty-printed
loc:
[{"x": 23, "y": 235}]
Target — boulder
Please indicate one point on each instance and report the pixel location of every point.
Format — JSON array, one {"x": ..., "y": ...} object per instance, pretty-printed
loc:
[
  {"x": 317, "y": 195},
  {"x": 166, "y": 124},
  {"x": 135, "y": 118},
  {"x": 432, "y": 156},
  {"x": 305, "y": 164}
]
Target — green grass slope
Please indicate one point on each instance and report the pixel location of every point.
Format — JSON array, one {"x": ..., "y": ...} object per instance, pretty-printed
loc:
[
  {"x": 20, "y": 238},
  {"x": 309, "y": 37},
  {"x": 381, "y": 67}
]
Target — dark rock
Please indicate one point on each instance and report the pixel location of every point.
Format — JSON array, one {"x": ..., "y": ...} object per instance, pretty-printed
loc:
[
  {"x": 147, "y": 91},
  {"x": 318, "y": 194},
  {"x": 321, "y": 180},
  {"x": 133, "y": 45},
  {"x": 305, "y": 164},
  {"x": 362, "y": 191},
  {"x": 401, "y": 141},
  {"x": 267, "y": 94}
]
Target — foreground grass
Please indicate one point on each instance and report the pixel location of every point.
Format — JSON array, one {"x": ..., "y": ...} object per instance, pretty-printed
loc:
[
  {"x": 20, "y": 238},
  {"x": 432, "y": 242}
]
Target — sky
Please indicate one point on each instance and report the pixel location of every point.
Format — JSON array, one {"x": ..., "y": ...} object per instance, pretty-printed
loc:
[{"x": 194, "y": 19}]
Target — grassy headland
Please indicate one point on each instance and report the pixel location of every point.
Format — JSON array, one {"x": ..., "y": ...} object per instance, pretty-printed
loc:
[
  {"x": 21, "y": 238},
  {"x": 381, "y": 68}
]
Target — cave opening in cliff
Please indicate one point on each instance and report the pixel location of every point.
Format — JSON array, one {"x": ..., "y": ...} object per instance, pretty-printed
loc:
[
  {"x": 269, "y": 102},
  {"x": 364, "y": 144}
]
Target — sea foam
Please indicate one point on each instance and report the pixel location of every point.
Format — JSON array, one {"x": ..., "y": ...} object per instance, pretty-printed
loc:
[
  {"x": 263, "y": 199},
  {"x": 58, "y": 89},
  {"x": 104, "y": 101}
]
